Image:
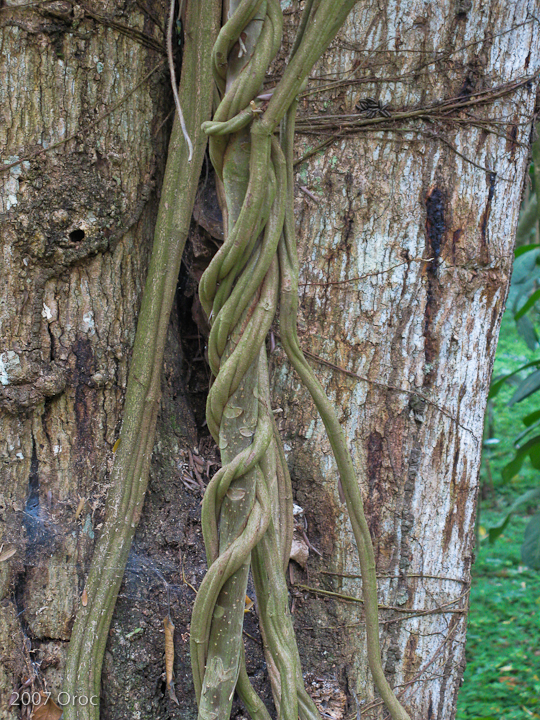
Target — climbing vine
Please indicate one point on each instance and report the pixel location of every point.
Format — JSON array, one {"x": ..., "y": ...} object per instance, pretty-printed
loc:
[
  {"x": 247, "y": 508},
  {"x": 129, "y": 477}
]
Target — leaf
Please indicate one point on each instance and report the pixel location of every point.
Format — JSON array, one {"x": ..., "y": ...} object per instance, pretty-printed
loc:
[
  {"x": 526, "y": 329},
  {"x": 299, "y": 551},
  {"x": 6, "y": 553},
  {"x": 524, "y": 499},
  {"x": 527, "y": 387},
  {"x": 530, "y": 550},
  {"x": 525, "y": 249},
  {"x": 514, "y": 466},
  {"x": 116, "y": 445},
  {"x": 528, "y": 304},
  {"x": 525, "y": 432},
  {"x": 80, "y": 507},
  {"x": 534, "y": 454},
  {"x": 248, "y": 604},
  {"x": 47, "y": 710},
  {"x": 524, "y": 264},
  {"x": 531, "y": 418},
  {"x": 497, "y": 384},
  {"x": 169, "y": 657}
]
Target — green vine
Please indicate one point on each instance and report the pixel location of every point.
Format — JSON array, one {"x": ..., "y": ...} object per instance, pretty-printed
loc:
[
  {"x": 130, "y": 472},
  {"x": 247, "y": 508}
]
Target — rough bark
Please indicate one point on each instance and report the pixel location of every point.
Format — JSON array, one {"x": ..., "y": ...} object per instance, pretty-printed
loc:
[
  {"x": 422, "y": 333},
  {"x": 76, "y": 235}
]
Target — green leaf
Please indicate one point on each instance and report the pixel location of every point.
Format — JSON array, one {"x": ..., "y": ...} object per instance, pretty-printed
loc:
[
  {"x": 531, "y": 418},
  {"x": 526, "y": 329},
  {"x": 496, "y": 530},
  {"x": 527, "y": 387},
  {"x": 525, "y": 432},
  {"x": 525, "y": 249},
  {"x": 528, "y": 305},
  {"x": 514, "y": 466},
  {"x": 497, "y": 384},
  {"x": 530, "y": 550},
  {"x": 524, "y": 265},
  {"x": 534, "y": 454}
]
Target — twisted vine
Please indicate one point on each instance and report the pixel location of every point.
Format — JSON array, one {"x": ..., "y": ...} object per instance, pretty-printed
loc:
[{"x": 247, "y": 508}]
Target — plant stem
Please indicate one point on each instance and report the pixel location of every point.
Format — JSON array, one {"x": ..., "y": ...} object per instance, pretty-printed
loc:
[{"x": 129, "y": 476}]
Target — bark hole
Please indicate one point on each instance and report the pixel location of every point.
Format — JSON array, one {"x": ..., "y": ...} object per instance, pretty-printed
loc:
[{"x": 77, "y": 235}]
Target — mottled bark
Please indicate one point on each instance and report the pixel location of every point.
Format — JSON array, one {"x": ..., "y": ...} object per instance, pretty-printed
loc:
[
  {"x": 76, "y": 235},
  {"x": 430, "y": 235},
  {"x": 432, "y": 232}
]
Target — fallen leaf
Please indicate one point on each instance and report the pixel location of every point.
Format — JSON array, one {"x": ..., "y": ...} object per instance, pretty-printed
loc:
[
  {"x": 47, "y": 710},
  {"x": 169, "y": 656},
  {"x": 80, "y": 507},
  {"x": 509, "y": 680},
  {"x": 299, "y": 551},
  {"x": 6, "y": 553}
]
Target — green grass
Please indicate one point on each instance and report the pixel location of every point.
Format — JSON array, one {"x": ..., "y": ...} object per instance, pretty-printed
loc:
[{"x": 502, "y": 679}]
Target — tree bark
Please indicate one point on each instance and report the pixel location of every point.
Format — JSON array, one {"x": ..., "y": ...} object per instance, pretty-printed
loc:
[{"x": 430, "y": 233}]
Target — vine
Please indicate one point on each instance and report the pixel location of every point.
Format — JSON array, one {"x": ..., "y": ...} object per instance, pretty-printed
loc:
[
  {"x": 247, "y": 507},
  {"x": 129, "y": 476}
]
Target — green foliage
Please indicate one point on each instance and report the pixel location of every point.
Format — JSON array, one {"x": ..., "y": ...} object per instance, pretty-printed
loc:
[{"x": 502, "y": 678}]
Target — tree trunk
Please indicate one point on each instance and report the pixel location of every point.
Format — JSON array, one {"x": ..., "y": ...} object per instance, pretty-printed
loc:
[
  {"x": 423, "y": 212},
  {"x": 406, "y": 239}
]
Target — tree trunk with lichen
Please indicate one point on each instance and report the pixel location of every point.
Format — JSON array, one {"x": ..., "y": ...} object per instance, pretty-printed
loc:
[{"x": 423, "y": 212}]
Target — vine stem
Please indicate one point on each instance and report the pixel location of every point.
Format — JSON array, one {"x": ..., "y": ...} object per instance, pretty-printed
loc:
[
  {"x": 243, "y": 518},
  {"x": 129, "y": 476}
]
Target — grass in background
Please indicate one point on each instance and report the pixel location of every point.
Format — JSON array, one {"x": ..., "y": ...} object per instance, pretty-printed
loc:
[{"x": 502, "y": 679}]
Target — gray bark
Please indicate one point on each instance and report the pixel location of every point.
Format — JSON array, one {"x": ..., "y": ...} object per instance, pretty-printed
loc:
[{"x": 430, "y": 233}]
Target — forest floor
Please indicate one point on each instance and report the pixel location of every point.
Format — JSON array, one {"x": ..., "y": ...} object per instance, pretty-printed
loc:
[{"x": 502, "y": 679}]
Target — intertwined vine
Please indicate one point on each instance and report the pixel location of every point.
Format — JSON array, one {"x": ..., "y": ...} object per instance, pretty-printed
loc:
[{"x": 247, "y": 508}]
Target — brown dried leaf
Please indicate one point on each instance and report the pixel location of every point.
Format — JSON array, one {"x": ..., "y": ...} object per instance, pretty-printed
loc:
[
  {"x": 248, "y": 604},
  {"x": 299, "y": 551},
  {"x": 80, "y": 507},
  {"x": 46, "y": 710},
  {"x": 169, "y": 656}
]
